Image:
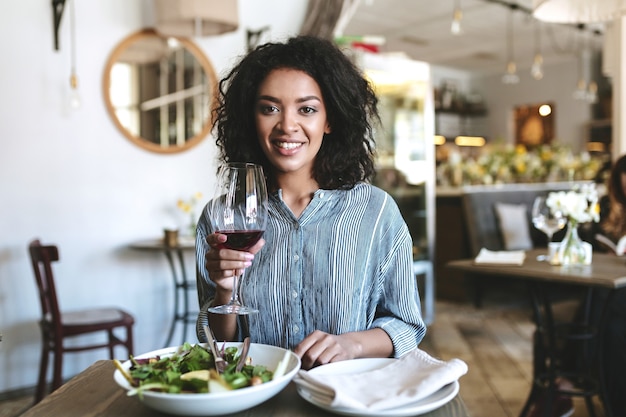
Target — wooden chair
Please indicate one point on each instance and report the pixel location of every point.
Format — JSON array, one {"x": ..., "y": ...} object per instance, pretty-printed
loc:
[{"x": 56, "y": 326}]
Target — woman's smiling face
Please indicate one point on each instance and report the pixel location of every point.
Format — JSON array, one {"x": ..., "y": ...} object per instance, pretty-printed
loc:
[{"x": 291, "y": 121}]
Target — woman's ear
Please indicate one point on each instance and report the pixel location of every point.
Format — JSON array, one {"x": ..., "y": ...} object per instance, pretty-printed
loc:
[{"x": 327, "y": 129}]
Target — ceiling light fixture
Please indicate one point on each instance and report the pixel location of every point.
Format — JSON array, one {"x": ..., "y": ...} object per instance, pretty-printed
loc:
[
  {"x": 457, "y": 16},
  {"x": 585, "y": 91},
  {"x": 536, "y": 70},
  {"x": 510, "y": 76}
]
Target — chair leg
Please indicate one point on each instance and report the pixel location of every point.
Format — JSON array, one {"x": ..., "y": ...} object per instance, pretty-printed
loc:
[
  {"x": 58, "y": 365},
  {"x": 43, "y": 368},
  {"x": 111, "y": 343},
  {"x": 129, "y": 340}
]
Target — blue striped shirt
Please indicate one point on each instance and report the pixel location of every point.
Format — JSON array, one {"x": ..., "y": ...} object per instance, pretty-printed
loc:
[{"x": 345, "y": 265}]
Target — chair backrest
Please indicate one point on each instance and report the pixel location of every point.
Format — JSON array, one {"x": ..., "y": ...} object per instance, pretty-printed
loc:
[{"x": 41, "y": 258}]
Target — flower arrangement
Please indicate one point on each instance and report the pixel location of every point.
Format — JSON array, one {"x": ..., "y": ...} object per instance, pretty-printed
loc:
[
  {"x": 188, "y": 208},
  {"x": 577, "y": 206},
  {"x": 505, "y": 163}
]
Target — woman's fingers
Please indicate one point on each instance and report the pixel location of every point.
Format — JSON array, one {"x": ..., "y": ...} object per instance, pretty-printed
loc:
[{"x": 224, "y": 263}]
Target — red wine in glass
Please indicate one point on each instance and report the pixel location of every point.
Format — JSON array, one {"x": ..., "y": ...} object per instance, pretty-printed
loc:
[
  {"x": 239, "y": 211},
  {"x": 240, "y": 239}
]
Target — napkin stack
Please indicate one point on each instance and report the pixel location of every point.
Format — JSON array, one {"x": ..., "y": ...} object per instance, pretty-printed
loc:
[
  {"x": 489, "y": 257},
  {"x": 409, "y": 379}
]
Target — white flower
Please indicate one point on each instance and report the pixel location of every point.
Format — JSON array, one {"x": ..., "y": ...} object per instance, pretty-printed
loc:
[{"x": 580, "y": 206}]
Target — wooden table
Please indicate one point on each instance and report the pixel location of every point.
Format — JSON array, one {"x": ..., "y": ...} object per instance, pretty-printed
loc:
[
  {"x": 606, "y": 271},
  {"x": 182, "y": 285},
  {"x": 94, "y": 393}
]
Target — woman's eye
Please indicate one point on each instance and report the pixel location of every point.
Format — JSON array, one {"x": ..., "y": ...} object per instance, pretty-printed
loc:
[
  {"x": 268, "y": 109},
  {"x": 308, "y": 110}
]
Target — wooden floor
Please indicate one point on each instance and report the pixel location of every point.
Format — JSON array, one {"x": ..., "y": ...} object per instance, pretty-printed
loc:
[{"x": 495, "y": 342}]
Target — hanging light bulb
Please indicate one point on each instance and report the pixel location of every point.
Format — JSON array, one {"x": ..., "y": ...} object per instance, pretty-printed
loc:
[
  {"x": 536, "y": 70},
  {"x": 457, "y": 16},
  {"x": 592, "y": 86},
  {"x": 74, "y": 96},
  {"x": 581, "y": 86},
  {"x": 510, "y": 76},
  {"x": 585, "y": 91},
  {"x": 581, "y": 90},
  {"x": 592, "y": 92}
]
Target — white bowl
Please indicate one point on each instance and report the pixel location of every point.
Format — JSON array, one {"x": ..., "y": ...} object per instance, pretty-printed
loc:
[{"x": 213, "y": 404}]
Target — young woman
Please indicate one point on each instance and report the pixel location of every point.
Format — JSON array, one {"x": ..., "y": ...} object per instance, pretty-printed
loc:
[
  {"x": 613, "y": 214},
  {"x": 332, "y": 278},
  {"x": 613, "y": 225}
]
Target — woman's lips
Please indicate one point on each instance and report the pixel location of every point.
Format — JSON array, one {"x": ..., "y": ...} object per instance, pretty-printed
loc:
[{"x": 288, "y": 148}]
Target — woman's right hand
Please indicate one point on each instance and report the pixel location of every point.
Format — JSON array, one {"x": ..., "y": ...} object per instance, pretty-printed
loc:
[{"x": 223, "y": 264}]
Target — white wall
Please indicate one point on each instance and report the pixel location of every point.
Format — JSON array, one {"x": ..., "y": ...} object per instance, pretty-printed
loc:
[
  {"x": 72, "y": 179},
  {"x": 557, "y": 85}
]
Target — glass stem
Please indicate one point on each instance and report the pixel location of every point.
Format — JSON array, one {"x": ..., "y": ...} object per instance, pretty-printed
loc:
[{"x": 234, "y": 298}]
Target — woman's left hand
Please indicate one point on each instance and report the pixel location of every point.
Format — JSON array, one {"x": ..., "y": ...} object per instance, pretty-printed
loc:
[{"x": 320, "y": 348}]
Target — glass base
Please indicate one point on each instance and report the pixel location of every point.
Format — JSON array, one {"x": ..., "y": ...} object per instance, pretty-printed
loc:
[{"x": 232, "y": 309}]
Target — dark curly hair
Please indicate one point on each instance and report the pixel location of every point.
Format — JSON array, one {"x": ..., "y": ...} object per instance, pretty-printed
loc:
[
  {"x": 615, "y": 223},
  {"x": 346, "y": 156}
]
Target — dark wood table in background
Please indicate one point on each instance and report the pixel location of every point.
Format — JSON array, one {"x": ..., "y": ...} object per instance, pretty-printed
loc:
[
  {"x": 184, "y": 286},
  {"x": 606, "y": 271},
  {"x": 94, "y": 393}
]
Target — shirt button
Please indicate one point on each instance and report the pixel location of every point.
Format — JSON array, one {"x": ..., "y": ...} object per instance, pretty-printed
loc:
[
  {"x": 296, "y": 329},
  {"x": 294, "y": 294},
  {"x": 321, "y": 195},
  {"x": 296, "y": 258}
]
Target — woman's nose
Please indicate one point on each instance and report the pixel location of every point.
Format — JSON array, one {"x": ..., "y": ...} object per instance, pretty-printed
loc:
[{"x": 288, "y": 122}]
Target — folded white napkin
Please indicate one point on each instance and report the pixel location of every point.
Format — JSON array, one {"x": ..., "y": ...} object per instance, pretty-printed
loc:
[
  {"x": 511, "y": 257},
  {"x": 406, "y": 380}
]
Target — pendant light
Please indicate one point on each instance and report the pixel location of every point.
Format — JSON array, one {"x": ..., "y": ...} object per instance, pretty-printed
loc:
[
  {"x": 592, "y": 86},
  {"x": 457, "y": 16},
  {"x": 586, "y": 88},
  {"x": 510, "y": 76},
  {"x": 74, "y": 97},
  {"x": 536, "y": 70}
]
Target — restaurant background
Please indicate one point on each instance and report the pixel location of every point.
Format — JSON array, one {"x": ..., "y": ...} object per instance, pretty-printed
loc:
[{"x": 70, "y": 178}]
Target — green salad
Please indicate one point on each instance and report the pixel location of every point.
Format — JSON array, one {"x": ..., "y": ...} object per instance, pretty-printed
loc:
[{"x": 191, "y": 369}]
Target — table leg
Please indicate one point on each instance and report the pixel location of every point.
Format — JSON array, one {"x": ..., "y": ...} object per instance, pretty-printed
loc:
[
  {"x": 589, "y": 378},
  {"x": 182, "y": 286},
  {"x": 170, "y": 259}
]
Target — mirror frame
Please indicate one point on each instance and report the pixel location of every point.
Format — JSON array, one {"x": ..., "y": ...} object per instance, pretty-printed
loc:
[{"x": 206, "y": 65}]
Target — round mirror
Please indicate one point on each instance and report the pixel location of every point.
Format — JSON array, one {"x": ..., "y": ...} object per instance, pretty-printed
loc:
[{"x": 160, "y": 91}]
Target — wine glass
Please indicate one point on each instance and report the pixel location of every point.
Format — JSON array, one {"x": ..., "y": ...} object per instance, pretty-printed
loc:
[
  {"x": 239, "y": 211},
  {"x": 547, "y": 220}
]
